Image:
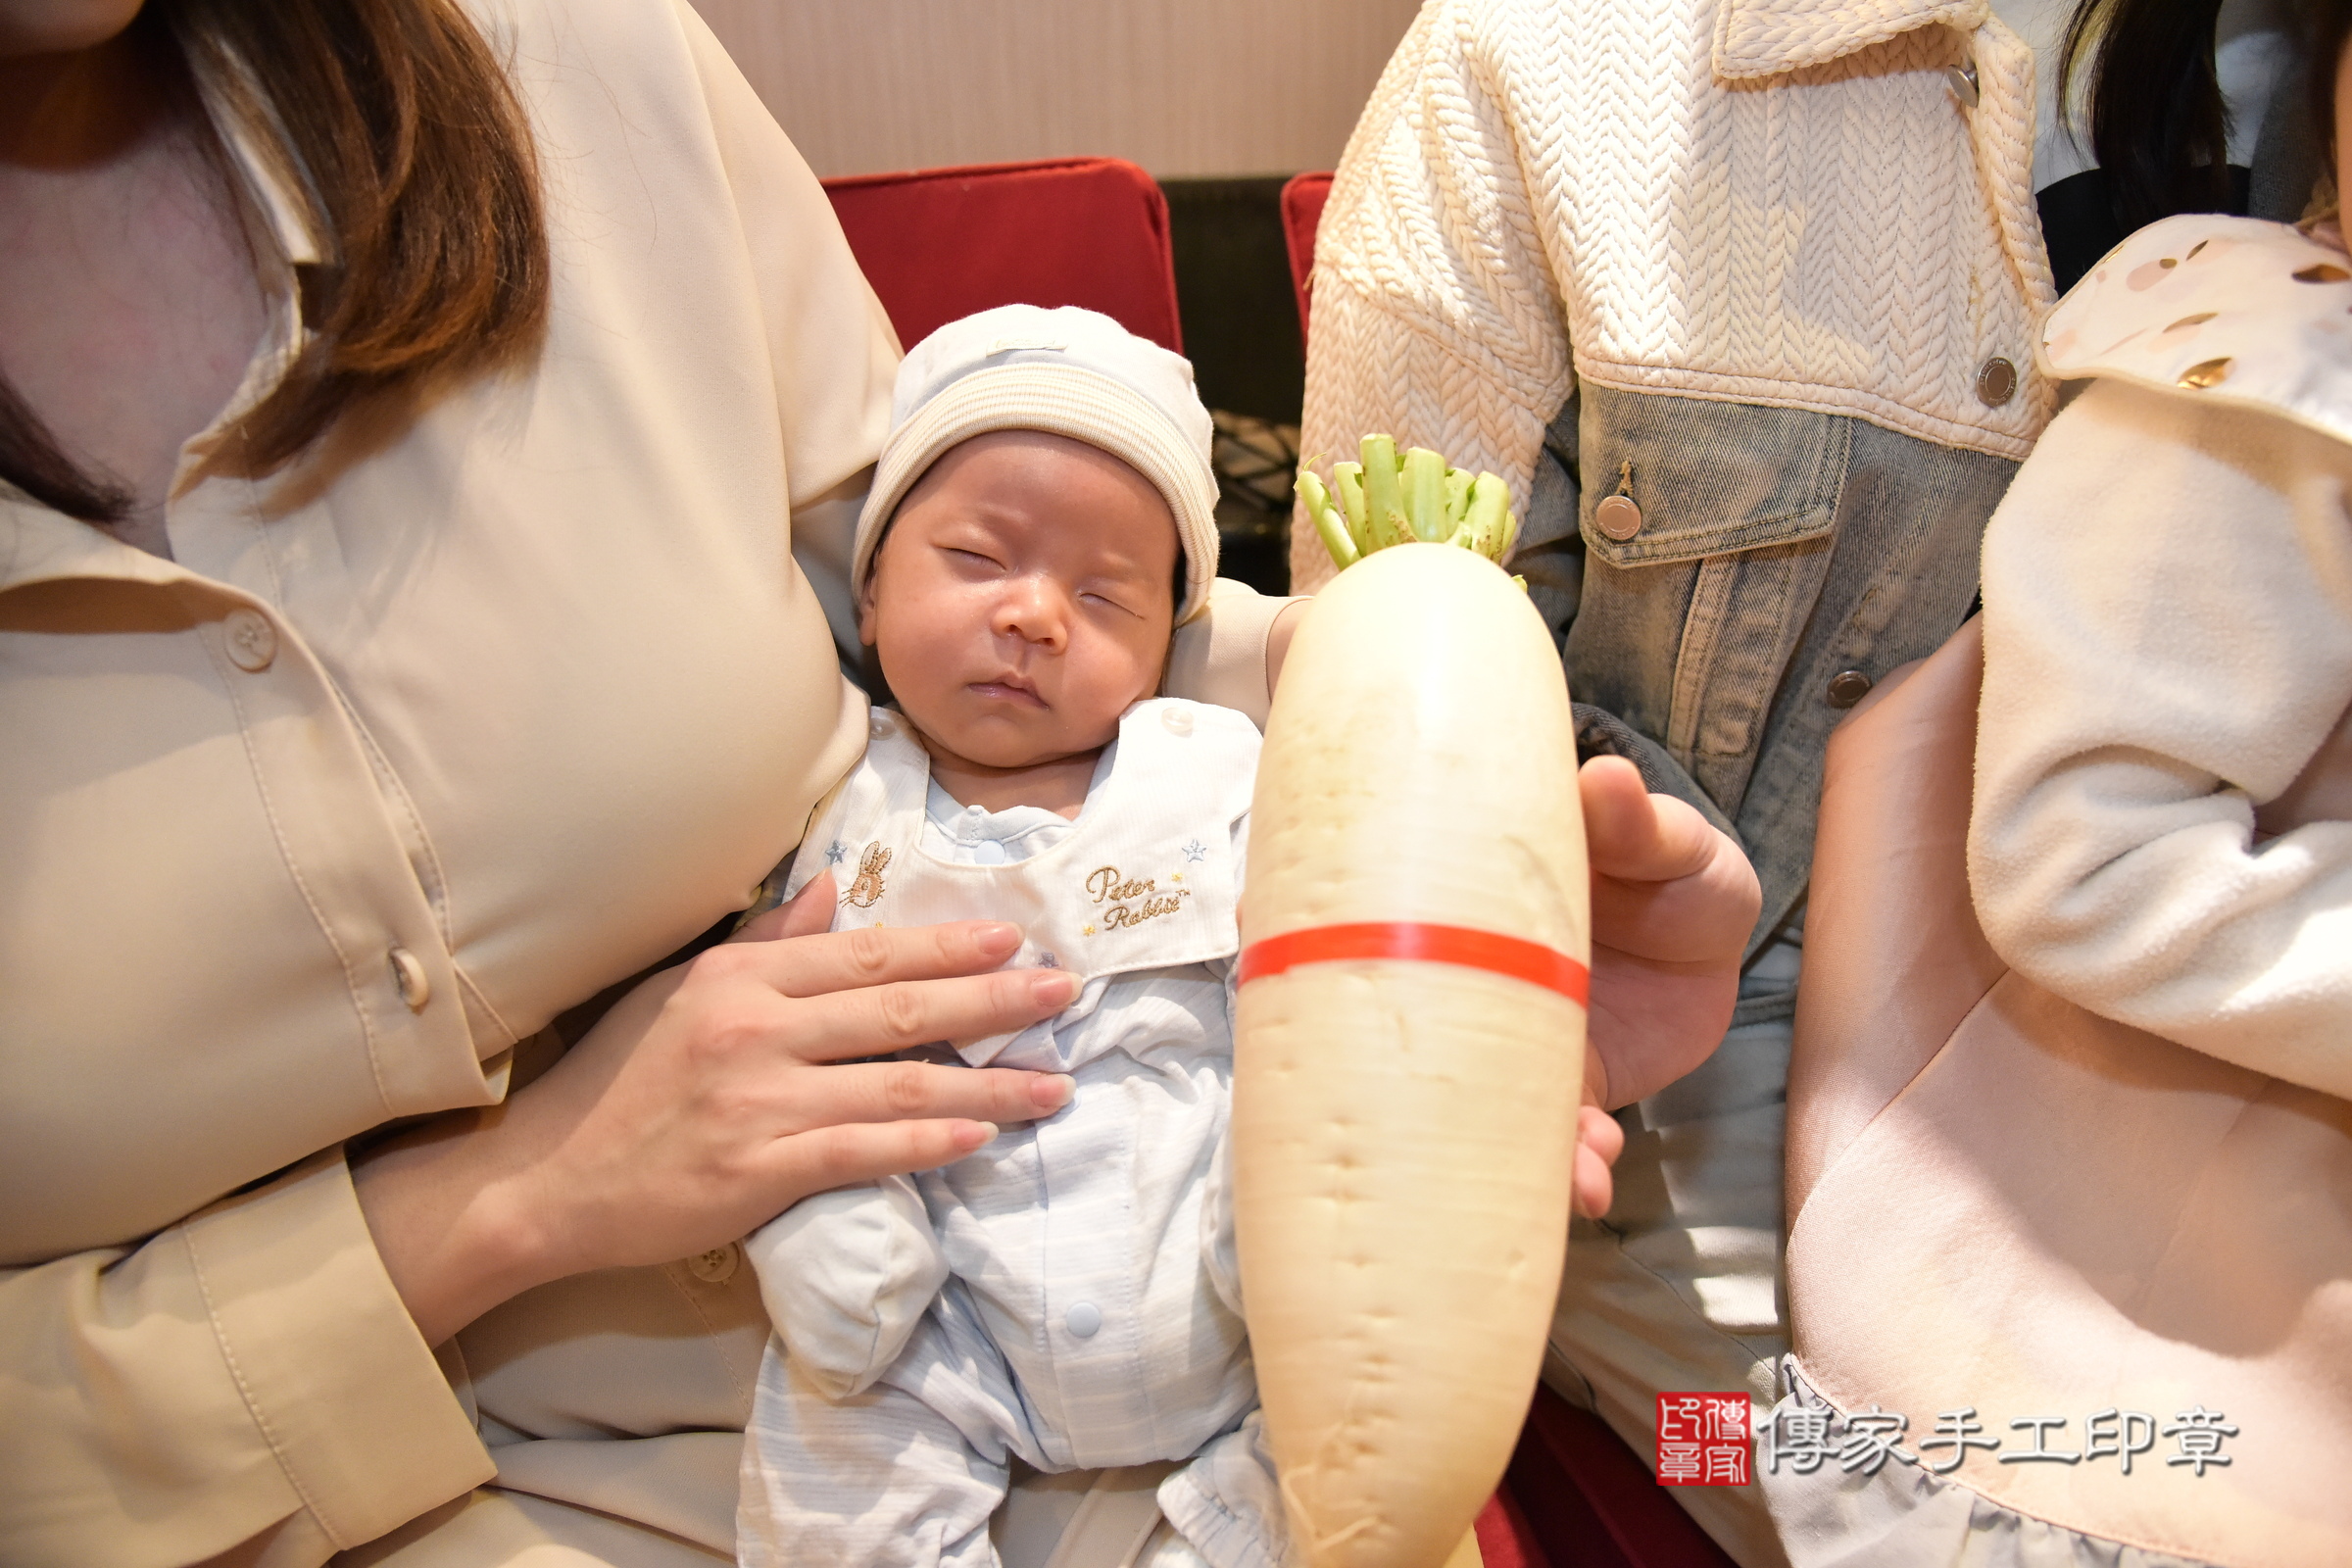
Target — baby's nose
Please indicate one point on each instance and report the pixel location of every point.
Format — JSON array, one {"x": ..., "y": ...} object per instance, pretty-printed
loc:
[{"x": 1037, "y": 611}]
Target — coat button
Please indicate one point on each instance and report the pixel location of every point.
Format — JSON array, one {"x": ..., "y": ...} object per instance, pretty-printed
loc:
[
  {"x": 251, "y": 640},
  {"x": 1963, "y": 77},
  {"x": 1178, "y": 720},
  {"x": 1996, "y": 382},
  {"x": 1084, "y": 1320},
  {"x": 716, "y": 1266},
  {"x": 415, "y": 987},
  {"x": 1848, "y": 687},
  {"x": 1617, "y": 516}
]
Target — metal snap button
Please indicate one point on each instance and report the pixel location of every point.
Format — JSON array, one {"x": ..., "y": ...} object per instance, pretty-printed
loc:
[
  {"x": 1178, "y": 720},
  {"x": 1617, "y": 516},
  {"x": 1848, "y": 687},
  {"x": 408, "y": 974},
  {"x": 1085, "y": 1319},
  {"x": 716, "y": 1266},
  {"x": 251, "y": 640},
  {"x": 1963, "y": 77},
  {"x": 1996, "y": 382}
]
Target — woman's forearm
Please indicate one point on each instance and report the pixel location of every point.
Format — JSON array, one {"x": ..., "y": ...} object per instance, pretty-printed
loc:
[
  {"x": 441, "y": 1202},
  {"x": 245, "y": 1371}
]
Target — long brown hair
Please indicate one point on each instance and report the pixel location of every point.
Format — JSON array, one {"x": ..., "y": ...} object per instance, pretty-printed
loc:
[{"x": 393, "y": 120}]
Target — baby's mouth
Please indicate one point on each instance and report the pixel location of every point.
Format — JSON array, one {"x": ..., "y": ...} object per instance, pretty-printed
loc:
[{"x": 1009, "y": 688}]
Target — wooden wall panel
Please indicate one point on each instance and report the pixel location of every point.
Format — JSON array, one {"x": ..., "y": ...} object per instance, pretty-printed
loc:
[{"x": 1183, "y": 87}]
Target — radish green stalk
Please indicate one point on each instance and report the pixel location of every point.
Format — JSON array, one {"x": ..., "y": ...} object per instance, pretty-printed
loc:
[
  {"x": 1328, "y": 523},
  {"x": 1394, "y": 498},
  {"x": 1384, "y": 493},
  {"x": 1347, "y": 480},
  {"x": 1489, "y": 521},
  {"x": 1457, "y": 495},
  {"x": 1425, "y": 495}
]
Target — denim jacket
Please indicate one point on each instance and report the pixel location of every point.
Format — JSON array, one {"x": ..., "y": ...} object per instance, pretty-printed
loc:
[{"x": 1787, "y": 559}]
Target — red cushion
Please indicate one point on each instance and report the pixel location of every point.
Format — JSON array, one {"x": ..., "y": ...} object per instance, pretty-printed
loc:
[
  {"x": 1303, "y": 199},
  {"x": 940, "y": 243},
  {"x": 1589, "y": 1501},
  {"x": 1505, "y": 1539}
]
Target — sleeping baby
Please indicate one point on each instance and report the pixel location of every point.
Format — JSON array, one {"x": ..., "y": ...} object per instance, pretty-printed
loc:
[{"x": 1039, "y": 521}]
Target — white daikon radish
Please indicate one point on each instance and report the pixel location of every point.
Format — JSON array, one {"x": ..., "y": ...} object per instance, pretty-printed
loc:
[{"x": 1409, "y": 1044}]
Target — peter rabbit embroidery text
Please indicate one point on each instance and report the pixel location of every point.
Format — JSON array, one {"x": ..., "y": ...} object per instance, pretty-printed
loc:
[{"x": 1127, "y": 901}]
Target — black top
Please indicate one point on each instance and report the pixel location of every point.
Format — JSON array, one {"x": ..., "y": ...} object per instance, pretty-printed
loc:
[{"x": 2078, "y": 222}]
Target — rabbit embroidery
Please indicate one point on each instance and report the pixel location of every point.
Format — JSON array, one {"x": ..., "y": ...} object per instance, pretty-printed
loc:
[{"x": 867, "y": 888}]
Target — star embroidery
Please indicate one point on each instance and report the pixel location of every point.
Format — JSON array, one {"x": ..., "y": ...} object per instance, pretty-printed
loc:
[
  {"x": 1177, "y": 877},
  {"x": 1087, "y": 931},
  {"x": 837, "y": 854},
  {"x": 1195, "y": 851},
  {"x": 1047, "y": 961}
]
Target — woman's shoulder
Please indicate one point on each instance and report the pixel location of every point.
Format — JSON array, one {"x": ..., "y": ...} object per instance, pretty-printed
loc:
[
  {"x": 590, "y": 46},
  {"x": 2235, "y": 311}
]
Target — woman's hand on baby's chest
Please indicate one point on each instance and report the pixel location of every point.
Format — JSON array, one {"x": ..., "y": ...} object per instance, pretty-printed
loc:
[{"x": 708, "y": 1100}]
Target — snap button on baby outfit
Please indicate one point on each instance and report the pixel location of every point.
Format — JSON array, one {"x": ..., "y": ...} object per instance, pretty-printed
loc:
[
  {"x": 1617, "y": 516},
  {"x": 1848, "y": 687},
  {"x": 415, "y": 988},
  {"x": 251, "y": 640},
  {"x": 716, "y": 1266},
  {"x": 1084, "y": 1319},
  {"x": 1996, "y": 382},
  {"x": 988, "y": 852},
  {"x": 1179, "y": 721},
  {"x": 1963, "y": 77}
]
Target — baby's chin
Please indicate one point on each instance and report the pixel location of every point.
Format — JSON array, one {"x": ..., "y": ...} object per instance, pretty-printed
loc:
[{"x": 999, "y": 742}]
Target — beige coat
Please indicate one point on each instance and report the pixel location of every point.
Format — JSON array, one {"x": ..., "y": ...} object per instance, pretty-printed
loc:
[{"x": 502, "y": 700}]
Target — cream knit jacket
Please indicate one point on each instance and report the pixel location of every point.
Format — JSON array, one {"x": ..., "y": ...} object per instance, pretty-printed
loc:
[{"x": 1762, "y": 201}]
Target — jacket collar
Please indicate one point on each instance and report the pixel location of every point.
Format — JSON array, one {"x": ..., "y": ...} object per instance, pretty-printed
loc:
[
  {"x": 1767, "y": 38},
  {"x": 2227, "y": 310}
]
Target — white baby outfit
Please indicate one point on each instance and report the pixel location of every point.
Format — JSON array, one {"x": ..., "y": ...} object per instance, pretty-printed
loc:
[{"x": 1066, "y": 1295}]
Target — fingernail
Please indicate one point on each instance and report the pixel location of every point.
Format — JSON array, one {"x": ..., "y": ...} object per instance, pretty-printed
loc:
[
  {"x": 972, "y": 1133},
  {"x": 998, "y": 937},
  {"x": 1053, "y": 1090},
  {"x": 1053, "y": 989}
]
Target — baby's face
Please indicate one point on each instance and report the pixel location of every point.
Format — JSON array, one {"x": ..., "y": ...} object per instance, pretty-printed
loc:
[{"x": 1021, "y": 599}]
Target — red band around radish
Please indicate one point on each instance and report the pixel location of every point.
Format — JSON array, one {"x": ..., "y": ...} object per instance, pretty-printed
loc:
[{"x": 1465, "y": 946}]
